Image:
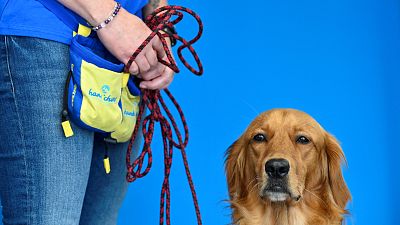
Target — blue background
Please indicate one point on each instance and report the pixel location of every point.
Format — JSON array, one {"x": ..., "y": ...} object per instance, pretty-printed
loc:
[{"x": 336, "y": 60}]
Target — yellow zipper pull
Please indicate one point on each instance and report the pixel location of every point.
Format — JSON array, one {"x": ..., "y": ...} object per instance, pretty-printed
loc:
[
  {"x": 66, "y": 125},
  {"x": 106, "y": 161}
]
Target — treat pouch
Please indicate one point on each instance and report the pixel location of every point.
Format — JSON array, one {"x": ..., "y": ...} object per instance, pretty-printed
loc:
[{"x": 98, "y": 97}]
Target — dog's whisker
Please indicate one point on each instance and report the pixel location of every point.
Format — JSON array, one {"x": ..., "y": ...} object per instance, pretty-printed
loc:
[
  {"x": 313, "y": 194},
  {"x": 251, "y": 107},
  {"x": 255, "y": 179},
  {"x": 254, "y": 186}
]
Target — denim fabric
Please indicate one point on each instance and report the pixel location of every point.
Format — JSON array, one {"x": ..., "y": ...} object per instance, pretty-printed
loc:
[{"x": 46, "y": 178}]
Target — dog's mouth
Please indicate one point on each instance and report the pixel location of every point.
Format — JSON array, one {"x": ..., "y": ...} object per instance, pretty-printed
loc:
[{"x": 278, "y": 192}]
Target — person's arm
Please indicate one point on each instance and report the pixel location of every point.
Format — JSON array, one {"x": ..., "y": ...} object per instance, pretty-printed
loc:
[
  {"x": 122, "y": 37},
  {"x": 93, "y": 11}
]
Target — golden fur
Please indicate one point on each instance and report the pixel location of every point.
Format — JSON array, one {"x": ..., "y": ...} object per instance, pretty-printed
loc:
[{"x": 318, "y": 192}]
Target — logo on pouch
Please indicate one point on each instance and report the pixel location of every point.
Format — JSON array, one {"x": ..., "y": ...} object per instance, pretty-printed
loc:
[
  {"x": 105, "y": 89},
  {"x": 105, "y": 97},
  {"x": 131, "y": 114}
]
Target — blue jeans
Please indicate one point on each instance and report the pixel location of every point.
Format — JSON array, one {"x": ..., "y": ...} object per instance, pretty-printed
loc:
[{"x": 46, "y": 178}]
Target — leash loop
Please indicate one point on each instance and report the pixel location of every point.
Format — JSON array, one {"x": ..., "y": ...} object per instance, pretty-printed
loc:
[{"x": 153, "y": 100}]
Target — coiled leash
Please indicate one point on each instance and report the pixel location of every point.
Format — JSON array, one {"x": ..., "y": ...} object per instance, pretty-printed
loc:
[{"x": 158, "y": 21}]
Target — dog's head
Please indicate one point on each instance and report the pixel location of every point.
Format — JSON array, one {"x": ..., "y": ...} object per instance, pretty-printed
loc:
[{"x": 281, "y": 156}]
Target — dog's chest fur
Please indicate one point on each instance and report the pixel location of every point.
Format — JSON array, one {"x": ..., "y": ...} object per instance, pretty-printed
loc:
[{"x": 266, "y": 216}]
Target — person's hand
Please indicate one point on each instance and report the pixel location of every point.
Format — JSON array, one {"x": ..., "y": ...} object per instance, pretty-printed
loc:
[
  {"x": 165, "y": 79},
  {"x": 123, "y": 36}
]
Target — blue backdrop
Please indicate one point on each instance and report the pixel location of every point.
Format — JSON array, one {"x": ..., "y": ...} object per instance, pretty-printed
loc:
[{"x": 337, "y": 60}]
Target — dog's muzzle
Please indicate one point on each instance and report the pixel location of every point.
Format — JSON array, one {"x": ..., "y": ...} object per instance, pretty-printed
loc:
[{"x": 277, "y": 183}]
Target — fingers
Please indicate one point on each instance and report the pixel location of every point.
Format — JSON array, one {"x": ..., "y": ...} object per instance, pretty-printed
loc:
[
  {"x": 160, "y": 82},
  {"x": 155, "y": 75},
  {"x": 151, "y": 57},
  {"x": 143, "y": 64},
  {"x": 155, "y": 72},
  {"x": 158, "y": 47},
  {"x": 134, "y": 69},
  {"x": 146, "y": 65}
]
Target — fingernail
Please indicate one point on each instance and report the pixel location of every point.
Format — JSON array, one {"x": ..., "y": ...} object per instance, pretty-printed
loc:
[{"x": 142, "y": 86}]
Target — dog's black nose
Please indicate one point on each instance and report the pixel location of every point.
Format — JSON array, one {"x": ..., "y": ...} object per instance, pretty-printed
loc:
[{"x": 277, "y": 168}]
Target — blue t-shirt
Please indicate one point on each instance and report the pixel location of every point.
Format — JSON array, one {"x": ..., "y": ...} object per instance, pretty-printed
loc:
[{"x": 31, "y": 18}]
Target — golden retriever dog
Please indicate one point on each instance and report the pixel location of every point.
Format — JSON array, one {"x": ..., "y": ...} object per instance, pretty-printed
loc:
[{"x": 286, "y": 170}]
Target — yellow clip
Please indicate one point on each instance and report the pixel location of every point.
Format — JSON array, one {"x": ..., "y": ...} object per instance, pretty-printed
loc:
[
  {"x": 67, "y": 129},
  {"x": 82, "y": 30},
  {"x": 106, "y": 162}
]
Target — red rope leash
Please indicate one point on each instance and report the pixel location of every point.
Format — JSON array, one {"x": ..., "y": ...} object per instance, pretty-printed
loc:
[{"x": 153, "y": 100}]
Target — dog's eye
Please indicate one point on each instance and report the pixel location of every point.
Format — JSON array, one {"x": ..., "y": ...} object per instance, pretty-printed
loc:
[
  {"x": 259, "y": 137},
  {"x": 302, "y": 140}
]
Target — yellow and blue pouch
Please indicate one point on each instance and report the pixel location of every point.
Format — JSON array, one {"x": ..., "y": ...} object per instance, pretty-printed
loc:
[{"x": 98, "y": 95}]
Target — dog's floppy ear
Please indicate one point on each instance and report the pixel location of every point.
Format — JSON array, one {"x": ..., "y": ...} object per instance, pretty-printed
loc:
[
  {"x": 235, "y": 168},
  {"x": 335, "y": 157}
]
